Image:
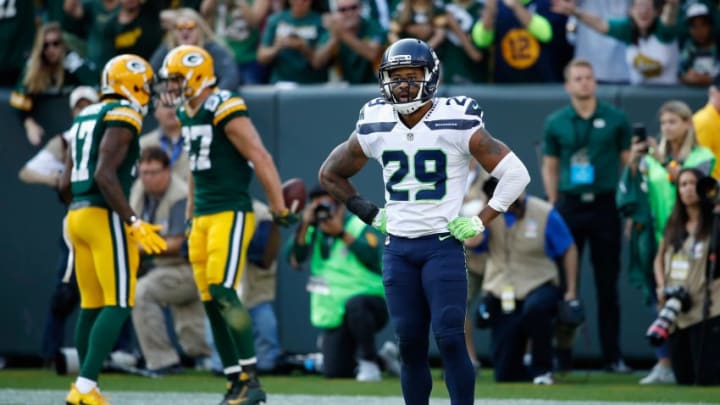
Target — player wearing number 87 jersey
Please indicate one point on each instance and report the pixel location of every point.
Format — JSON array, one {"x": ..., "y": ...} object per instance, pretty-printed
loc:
[
  {"x": 103, "y": 230},
  {"x": 222, "y": 142},
  {"x": 424, "y": 145}
]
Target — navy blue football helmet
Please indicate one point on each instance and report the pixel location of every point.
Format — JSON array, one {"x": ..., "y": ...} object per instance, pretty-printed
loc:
[{"x": 409, "y": 52}]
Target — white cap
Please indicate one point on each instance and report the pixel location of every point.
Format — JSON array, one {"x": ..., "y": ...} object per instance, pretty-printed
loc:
[
  {"x": 83, "y": 92},
  {"x": 696, "y": 10}
]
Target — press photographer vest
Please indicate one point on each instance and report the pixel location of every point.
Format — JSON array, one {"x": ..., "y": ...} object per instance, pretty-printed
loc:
[
  {"x": 517, "y": 254},
  {"x": 338, "y": 277},
  {"x": 177, "y": 190},
  {"x": 695, "y": 255}
]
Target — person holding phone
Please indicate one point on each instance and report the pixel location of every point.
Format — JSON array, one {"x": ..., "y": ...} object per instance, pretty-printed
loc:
[{"x": 646, "y": 196}]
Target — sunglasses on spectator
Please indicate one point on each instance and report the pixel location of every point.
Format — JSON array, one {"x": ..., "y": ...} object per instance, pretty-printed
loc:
[
  {"x": 354, "y": 7},
  {"x": 53, "y": 44},
  {"x": 187, "y": 25}
]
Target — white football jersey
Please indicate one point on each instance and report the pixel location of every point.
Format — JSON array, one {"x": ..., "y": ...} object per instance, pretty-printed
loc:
[{"x": 425, "y": 168}]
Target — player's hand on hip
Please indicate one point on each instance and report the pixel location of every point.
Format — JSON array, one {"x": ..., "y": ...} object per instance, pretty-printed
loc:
[
  {"x": 380, "y": 221},
  {"x": 465, "y": 228},
  {"x": 146, "y": 235},
  {"x": 285, "y": 217}
]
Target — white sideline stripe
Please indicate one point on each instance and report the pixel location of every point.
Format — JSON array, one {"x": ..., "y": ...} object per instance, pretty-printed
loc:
[{"x": 44, "y": 397}]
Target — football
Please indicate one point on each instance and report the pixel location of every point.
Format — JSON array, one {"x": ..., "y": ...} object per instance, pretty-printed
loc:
[{"x": 294, "y": 194}]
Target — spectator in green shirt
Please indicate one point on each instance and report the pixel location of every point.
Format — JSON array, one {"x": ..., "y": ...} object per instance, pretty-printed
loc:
[
  {"x": 347, "y": 298},
  {"x": 288, "y": 44},
  {"x": 586, "y": 144},
  {"x": 352, "y": 42}
]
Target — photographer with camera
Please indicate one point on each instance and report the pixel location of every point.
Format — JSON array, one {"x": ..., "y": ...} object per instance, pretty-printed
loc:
[
  {"x": 522, "y": 285},
  {"x": 646, "y": 196},
  {"x": 347, "y": 298},
  {"x": 688, "y": 288}
]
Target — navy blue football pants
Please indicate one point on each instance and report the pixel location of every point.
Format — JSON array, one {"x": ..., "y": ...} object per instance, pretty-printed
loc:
[{"x": 426, "y": 285}]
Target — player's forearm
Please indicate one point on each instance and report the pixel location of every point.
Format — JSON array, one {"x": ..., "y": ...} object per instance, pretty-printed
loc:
[
  {"x": 269, "y": 178},
  {"x": 336, "y": 185},
  {"x": 64, "y": 186},
  {"x": 109, "y": 186},
  {"x": 513, "y": 178}
]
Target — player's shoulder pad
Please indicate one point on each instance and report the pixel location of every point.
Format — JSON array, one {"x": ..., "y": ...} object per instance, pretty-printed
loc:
[
  {"x": 125, "y": 112},
  {"x": 223, "y": 103},
  {"x": 467, "y": 105},
  {"x": 372, "y": 108}
]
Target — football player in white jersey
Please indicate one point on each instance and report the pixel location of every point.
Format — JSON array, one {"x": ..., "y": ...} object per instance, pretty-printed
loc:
[{"x": 424, "y": 145}]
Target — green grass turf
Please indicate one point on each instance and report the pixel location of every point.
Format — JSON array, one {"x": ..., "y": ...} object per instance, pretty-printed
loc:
[{"x": 579, "y": 386}]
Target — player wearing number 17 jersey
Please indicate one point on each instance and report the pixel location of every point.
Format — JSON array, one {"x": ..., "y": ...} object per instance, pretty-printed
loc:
[
  {"x": 424, "y": 145},
  {"x": 222, "y": 142},
  {"x": 103, "y": 230}
]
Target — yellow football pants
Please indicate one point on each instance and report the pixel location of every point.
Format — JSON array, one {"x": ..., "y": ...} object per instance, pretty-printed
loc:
[
  {"x": 217, "y": 247},
  {"x": 105, "y": 263}
]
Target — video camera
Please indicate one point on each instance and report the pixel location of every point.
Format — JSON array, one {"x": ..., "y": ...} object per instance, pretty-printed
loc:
[
  {"x": 708, "y": 189},
  {"x": 677, "y": 300},
  {"x": 324, "y": 211}
]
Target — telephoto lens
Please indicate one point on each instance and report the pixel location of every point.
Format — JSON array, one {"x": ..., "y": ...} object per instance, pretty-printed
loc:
[{"x": 678, "y": 300}]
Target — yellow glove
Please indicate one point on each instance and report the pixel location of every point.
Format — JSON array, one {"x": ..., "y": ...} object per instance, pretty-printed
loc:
[{"x": 147, "y": 236}]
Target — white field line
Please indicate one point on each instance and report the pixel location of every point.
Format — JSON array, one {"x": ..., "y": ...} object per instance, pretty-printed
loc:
[{"x": 53, "y": 397}]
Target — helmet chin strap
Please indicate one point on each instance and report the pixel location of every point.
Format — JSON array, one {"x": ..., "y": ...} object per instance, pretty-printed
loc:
[
  {"x": 409, "y": 108},
  {"x": 134, "y": 100}
]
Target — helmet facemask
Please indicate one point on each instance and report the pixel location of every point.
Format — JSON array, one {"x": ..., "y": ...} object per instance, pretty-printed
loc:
[
  {"x": 409, "y": 53},
  {"x": 424, "y": 93}
]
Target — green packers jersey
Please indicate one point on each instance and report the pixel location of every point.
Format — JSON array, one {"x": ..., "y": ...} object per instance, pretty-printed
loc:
[
  {"x": 85, "y": 137},
  {"x": 221, "y": 175}
]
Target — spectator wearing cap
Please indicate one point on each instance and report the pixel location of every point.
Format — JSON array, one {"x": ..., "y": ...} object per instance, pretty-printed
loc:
[
  {"x": 46, "y": 168},
  {"x": 707, "y": 123},
  {"x": 699, "y": 61},
  {"x": 50, "y": 69}
]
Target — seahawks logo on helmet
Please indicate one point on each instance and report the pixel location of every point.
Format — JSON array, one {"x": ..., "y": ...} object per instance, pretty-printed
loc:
[
  {"x": 192, "y": 59},
  {"x": 135, "y": 66}
]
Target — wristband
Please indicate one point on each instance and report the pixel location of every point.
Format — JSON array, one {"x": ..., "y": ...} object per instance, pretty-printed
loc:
[
  {"x": 364, "y": 209},
  {"x": 131, "y": 220},
  {"x": 341, "y": 234}
]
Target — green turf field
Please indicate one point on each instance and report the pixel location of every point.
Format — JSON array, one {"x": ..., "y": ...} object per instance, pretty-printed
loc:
[{"x": 577, "y": 386}]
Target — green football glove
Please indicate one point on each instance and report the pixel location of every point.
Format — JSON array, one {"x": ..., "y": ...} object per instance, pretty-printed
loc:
[
  {"x": 380, "y": 221},
  {"x": 285, "y": 218},
  {"x": 465, "y": 228}
]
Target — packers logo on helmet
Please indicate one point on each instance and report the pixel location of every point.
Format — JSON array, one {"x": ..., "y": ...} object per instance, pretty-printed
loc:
[
  {"x": 128, "y": 76},
  {"x": 192, "y": 59},
  {"x": 192, "y": 67}
]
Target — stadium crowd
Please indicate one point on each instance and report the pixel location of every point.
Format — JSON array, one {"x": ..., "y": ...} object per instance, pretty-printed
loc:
[{"x": 59, "y": 45}]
